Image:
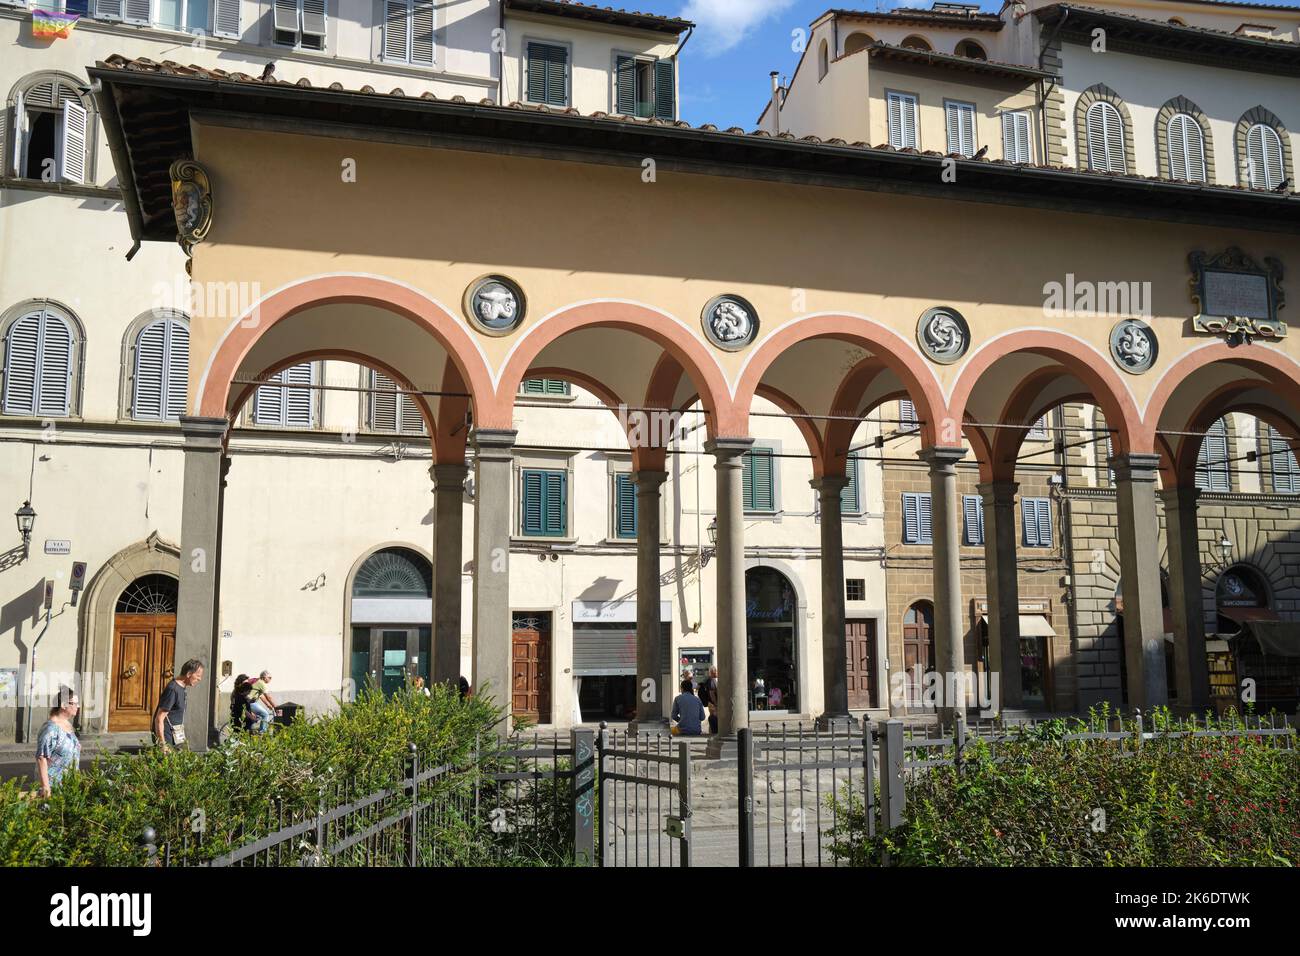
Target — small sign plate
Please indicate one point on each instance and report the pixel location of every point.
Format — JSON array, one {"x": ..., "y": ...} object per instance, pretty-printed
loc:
[{"x": 57, "y": 546}]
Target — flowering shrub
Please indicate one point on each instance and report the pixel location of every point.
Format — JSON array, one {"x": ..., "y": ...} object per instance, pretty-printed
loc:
[{"x": 1052, "y": 801}]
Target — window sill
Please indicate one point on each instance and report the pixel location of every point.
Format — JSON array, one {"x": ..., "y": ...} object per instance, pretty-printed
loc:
[
  {"x": 67, "y": 189},
  {"x": 545, "y": 399},
  {"x": 539, "y": 540},
  {"x": 765, "y": 515}
]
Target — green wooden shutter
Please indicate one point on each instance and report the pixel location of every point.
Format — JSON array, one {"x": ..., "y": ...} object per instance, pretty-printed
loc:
[
  {"x": 536, "y": 92},
  {"x": 544, "y": 386},
  {"x": 530, "y": 504},
  {"x": 666, "y": 89},
  {"x": 849, "y": 500},
  {"x": 625, "y": 82},
  {"x": 624, "y": 506},
  {"x": 548, "y": 69},
  {"x": 556, "y": 510},
  {"x": 758, "y": 481}
]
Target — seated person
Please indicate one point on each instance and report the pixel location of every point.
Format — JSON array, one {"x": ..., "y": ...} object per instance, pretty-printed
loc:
[{"x": 688, "y": 711}]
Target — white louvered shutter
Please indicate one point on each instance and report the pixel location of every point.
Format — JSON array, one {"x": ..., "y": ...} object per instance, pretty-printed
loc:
[
  {"x": 70, "y": 149},
  {"x": 902, "y": 121},
  {"x": 397, "y": 33},
  {"x": 268, "y": 403},
  {"x": 17, "y": 133},
  {"x": 1264, "y": 157},
  {"x": 973, "y": 508},
  {"x": 178, "y": 370},
  {"x": 150, "y": 373},
  {"x": 1105, "y": 138},
  {"x": 1015, "y": 137},
  {"x": 54, "y": 373},
  {"x": 22, "y": 351},
  {"x": 298, "y": 402},
  {"x": 422, "y": 32},
  {"x": 313, "y": 18},
  {"x": 225, "y": 19},
  {"x": 411, "y": 421},
  {"x": 1186, "y": 149},
  {"x": 286, "y": 15},
  {"x": 137, "y": 11},
  {"x": 911, "y": 519},
  {"x": 1213, "y": 472},
  {"x": 383, "y": 403},
  {"x": 108, "y": 9},
  {"x": 1284, "y": 467},
  {"x": 927, "y": 532},
  {"x": 907, "y": 416},
  {"x": 1029, "y": 520},
  {"x": 960, "y": 119}
]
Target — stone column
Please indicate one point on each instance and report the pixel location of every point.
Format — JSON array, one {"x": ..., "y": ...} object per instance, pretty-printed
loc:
[
  {"x": 197, "y": 636},
  {"x": 835, "y": 679},
  {"x": 448, "y": 529},
  {"x": 945, "y": 521},
  {"x": 1191, "y": 668},
  {"x": 493, "y": 491},
  {"x": 1002, "y": 580},
  {"x": 649, "y": 630},
  {"x": 1139, "y": 544},
  {"x": 733, "y": 651}
]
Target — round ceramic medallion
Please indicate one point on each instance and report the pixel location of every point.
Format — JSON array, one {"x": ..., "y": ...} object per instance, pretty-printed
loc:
[
  {"x": 943, "y": 335},
  {"x": 495, "y": 305},
  {"x": 1133, "y": 346},
  {"x": 730, "y": 322}
]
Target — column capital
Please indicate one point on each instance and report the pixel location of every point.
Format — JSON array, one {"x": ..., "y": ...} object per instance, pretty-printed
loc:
[
  {"x": 1136, "y": 466},
  {"x": 204, "y": 433},
  {"x": 495, "y": 443},
  {"x": 648, "y": 481},
  {"x": 727, "y": 448},
  {"x": 942, "y": 456},
  {"x": 830, "y": 484},
  {"x": 998, "y": 493},
  {"x": 1180, "y": 497},
  {"x": 449, "y": 475}
]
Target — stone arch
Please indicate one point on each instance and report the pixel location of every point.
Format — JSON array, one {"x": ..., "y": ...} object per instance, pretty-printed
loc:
[
  {"x": 857, "y": 40},
  {"x": 1101, "y": 93},
  {"x": 915, "y": 41},
  {"x": 1260, "y": 115},
  {"x": 154, "y": 555},
  {"x": 1176, "y": 105}
]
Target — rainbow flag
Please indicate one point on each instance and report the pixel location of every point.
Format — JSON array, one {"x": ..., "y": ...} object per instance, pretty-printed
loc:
[{"x": 47, "y": 25}]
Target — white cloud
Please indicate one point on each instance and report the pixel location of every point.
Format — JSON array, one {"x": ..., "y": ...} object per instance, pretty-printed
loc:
[{"x": 722, "y": 24}]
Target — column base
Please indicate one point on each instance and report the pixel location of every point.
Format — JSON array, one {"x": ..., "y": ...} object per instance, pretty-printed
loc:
[{"x": 838, "y": 723}]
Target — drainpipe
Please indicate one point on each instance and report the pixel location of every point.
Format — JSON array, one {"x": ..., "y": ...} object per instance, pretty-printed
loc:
[{"x": 776, "y": 102}]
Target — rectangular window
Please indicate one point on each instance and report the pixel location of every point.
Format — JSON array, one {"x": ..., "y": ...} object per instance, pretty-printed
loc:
[
  {"x": 624, "y": 506},
  {"x": 916, "y": 519},
  {"x": 547, "y": 73},
  {"x": 543, "y": 503},
  {"x": 1283, "y": 465},
  {"x": 392, "y": 410},
  {"x": 1015, "y": 137},
  {"x": 1036, "y": 515},
  {"x": 902, "y": 120},
  {"x": 907, "y": 417},
  {"x": 855, "y": 589},
  {"x": 1212, "y": 469},
  {"x": 408, "y": 31},
  {"x": 759, "y": 480},
  {"x": 543, "y": 386},
  {"x": 645, "y": 87},
  {"x": 972, "y": 507},
  {"x": 280, "y": 403},
  {"x": 960, "y": 122},
  {"x": 300, "y": 23}
]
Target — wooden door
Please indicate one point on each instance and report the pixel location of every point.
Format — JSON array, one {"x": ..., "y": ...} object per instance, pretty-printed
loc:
[
  {"x": 144, "y": 654},
  {"x": 918, "y": 660},
  {"x": 530, "y": 694},
  {"x": 860, "y": 649}
]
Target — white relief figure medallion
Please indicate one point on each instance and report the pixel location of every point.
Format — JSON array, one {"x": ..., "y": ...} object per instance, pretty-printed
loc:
[
  {"x": 495, "y": 305},
  {"x": 943, "y": 335},
  {"x": 730, "y": 322},
  {"x": 1133, "y": 346}
]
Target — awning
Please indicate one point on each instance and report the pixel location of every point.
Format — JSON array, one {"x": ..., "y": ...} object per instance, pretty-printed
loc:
[
  {"x": 1244, "y": 615},
  {"x": 1031, "y": 625},
  {"x": 1280, "y": 638}
]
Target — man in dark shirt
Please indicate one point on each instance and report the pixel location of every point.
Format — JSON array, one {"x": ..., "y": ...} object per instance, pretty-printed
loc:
[
  {"x": 688, "y": 711},
  {"x": 169, "y": 717}
]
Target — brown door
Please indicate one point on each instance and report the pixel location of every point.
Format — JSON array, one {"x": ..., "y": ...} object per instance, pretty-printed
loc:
[
  {"x": 918, "y": 656},
  {"x": 531, "y": 671},
  {"x": 860, "y": 647},
  {"x": 144, "y": 652}
]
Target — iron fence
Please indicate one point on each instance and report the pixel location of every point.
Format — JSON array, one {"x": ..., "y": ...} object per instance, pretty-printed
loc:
[{"x": 644, "y": 795}]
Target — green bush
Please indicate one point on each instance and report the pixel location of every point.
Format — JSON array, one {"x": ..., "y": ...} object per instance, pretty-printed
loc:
[
  {"x": 204, "y": 805},
  {"x": 1176, "y": 801}
]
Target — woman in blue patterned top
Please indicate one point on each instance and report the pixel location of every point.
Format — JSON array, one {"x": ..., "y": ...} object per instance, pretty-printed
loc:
[{"x": 57, "y": 747}]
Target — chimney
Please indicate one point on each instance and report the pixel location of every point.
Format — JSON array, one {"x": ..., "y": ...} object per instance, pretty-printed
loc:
[{"x": 776, "y": 102}]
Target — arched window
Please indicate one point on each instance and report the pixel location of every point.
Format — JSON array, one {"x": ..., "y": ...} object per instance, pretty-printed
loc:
[
  {"x": 1213, "y": 471},
  {"x": 1105, "y": 132},
  {"x": 971, "y": 50},
  {"x": 394, "y": 573},
  {"x": 856, "y": 42},
  {"x": 1186, "y": 148},
  {"x": 823, "y": 60},
  {"x": 1265, "y": 163},
  {"x": 50, "y": 130},
  {"x": 151, "y": 594},
  {"x": 915, "y": 42},
  {"x": 161, "y": 369},
  {"x": 40, "y": 366}
]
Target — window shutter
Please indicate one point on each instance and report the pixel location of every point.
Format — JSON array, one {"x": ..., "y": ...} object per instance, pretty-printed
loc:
[
  {"x": 907, "y": 416},
  {"x": 70, "y": 150},
  {"x": 911, "y": 519},
  {"x": 1285, "y": 468},
  {"x": 150, "y": 358},
  {"x": 137, "y": 11},
  {"x": 17, "y": 133},
  {"x": 902, "y": 121},
  {"x": 927, "y": 532},
  {"x": 54, "y": 378},
  {"x": 1212, "y": 468},
  {"x": 556, "y": 502},
  {"x": 666, "y": 89},
  {"x": 1105, "y": 138},
  {"x": 286, "y": 15},
  {"x": 1029, "y": 521},
  {"x": 383, "y": 402},
  {"x": 313, "y": 18},
  {"x": 557, "y": 63},
  {"x": 625, "y": 85},
  {"x": 624, "y": 506},
  {"x": 536, "y": 92},
  {"x": 973, "y": 509},
  {"x": 849, "y": 500},
  {"x": 895, "y": 122},
  {"x": 1264, "y": 154},
  {"x": 178, "y": 369},
  {"x": 422, "y": 32},
  {"x": 298, "y": 401},
  {"x": 410, "y": 417},
  {"x": 268, "y": 402},
  {"x": 961, "y": 128},
  {"x": 758, "y": 481},
  {"x": 1015, "y": 137},
  {"x": 225, "y": 19},
  {"x": 1044, "y": 523},
  {"x": 396, "y": 33},
  {"x": 108, "y": 9},
  {"x": 1114, "y": 140},
  {"x": 22, "y": 349},
  {"x": 530, "y": 506},
  {"x": 1186, "y": 149}
]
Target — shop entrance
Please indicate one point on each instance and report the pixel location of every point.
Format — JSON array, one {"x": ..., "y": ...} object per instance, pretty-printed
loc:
[
  {"x": 772, "y": 639},
  {"x": 392, "y": 607}
]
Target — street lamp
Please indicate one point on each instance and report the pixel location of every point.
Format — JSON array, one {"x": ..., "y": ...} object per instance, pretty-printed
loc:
[
  {"x": 26, "y": 517},
  {"x": 1225, "y": 549},
  {"x": 707, "y": 553},
  {"x": 713, "y": 532}
]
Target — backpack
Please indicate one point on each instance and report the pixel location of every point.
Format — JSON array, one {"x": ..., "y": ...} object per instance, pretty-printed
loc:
[{"x": 239, "y": 700}]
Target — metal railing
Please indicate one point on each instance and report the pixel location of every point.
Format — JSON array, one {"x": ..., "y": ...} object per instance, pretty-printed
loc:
[{"x": 644, "y": 790}]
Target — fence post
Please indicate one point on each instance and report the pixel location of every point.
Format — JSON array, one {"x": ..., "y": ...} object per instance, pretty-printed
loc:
[
  {"x": 584, "y": 782},
  {"x": 1138, "y": 739},
  {"x": 149, "y": 840},
  {"x": 892, "y": 795},
  {"x": 959, "y": 743},
  {"x": 602, "y": 792},
  {"x": 745, "y": 792},
  {"x": 684, "y": 800},
  {"x": 869, "y": 774},
  {"x": 413, "y": 771}
]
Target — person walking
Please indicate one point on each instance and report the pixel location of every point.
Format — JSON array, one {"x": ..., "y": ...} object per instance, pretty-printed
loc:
[
  {"x": 169, "y": 715},
  {"x": 261, "y": 703},
  {"x": 712, "y": 685},
  {"x": 57, "y": 748},
  {"x": 688, "y": 712}
]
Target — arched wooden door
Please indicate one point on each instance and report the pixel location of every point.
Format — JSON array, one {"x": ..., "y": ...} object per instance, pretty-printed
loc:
[
  {"x": 144, "y": 651},
  {"x": 918, "y": 654}
]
